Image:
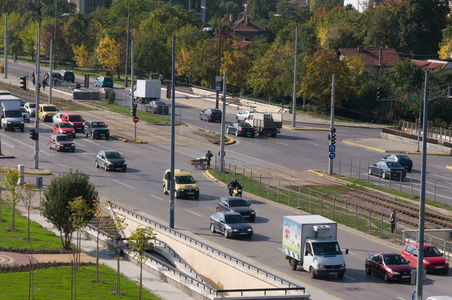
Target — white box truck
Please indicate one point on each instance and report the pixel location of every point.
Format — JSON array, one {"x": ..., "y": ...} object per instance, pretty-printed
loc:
[
  {"x": 310, "y": 241},
  {"x": 147, "y": 90},
  {"x": 11, "y": 114}
]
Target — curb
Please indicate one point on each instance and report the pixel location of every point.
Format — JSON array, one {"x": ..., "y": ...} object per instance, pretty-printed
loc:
[
  {"x": 121, "y": 139},
  {"x": 434, "y": 154},
  {"x": 305, "y": 129},
  {"x": 449, "y": 167},
  {"x": 316, "y": 173}
]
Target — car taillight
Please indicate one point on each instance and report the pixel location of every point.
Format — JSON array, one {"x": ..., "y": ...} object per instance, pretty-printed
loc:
[{"x": 210, "y": 115}]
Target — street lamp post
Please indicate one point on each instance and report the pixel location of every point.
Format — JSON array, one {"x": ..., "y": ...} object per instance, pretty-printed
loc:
[
  {"x": 173, "y": 112},
  {"x": 38, "y": 70},
  {"x": 294, "y": 92}
]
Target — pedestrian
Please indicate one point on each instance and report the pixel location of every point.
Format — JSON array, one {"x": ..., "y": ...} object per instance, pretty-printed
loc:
[
  {"x": 161, "y": 78},
  {"x": 15, "y": 57},
  {"x": 209, "y": 158},
  {"x": 393, "y": 221},
  {"x": 33, "y": 78}
]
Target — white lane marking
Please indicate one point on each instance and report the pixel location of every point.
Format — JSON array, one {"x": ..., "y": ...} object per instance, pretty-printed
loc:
[
  {"x": 282, "y": 143},
  {"x": 124, "y": 184},
  {"x": 157, "y": 197},
  {"x": 194, "y": 213},
  {"x": 400, "y": 298},
  {"x": 313, "y": 143},
  {"x": 349, "y": 277}
]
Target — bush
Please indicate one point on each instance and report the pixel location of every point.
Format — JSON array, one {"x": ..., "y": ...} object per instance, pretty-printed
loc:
[{"x": 111, "y": 97}]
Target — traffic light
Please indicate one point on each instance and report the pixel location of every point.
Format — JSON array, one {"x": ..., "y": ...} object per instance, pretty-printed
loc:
[
  {"x": 23, "y": 82},
  {"x": 421, "y": 123},
  {"x": 333, "y": 139},
  {"x": 134, "y": 110},
  {"x": 33, "y": 134},
  {"x": 378, "y": 92}
]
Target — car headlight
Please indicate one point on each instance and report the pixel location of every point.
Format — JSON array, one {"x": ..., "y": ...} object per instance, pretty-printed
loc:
[
  {"x": 394, "y": 273},
  {"x": 253, "y": 212},
  {"x": 426, "y": 262},
  {"x": 125, "y": 163},
  {"x": 321, "y": 266},
  {"x": 72, "y": 145},
  {"x": 9, "y": 122},
  {"x": 250, "y": 229},
  {"x": 235, "y": 229},
  {"x": 343, "y": 265}
]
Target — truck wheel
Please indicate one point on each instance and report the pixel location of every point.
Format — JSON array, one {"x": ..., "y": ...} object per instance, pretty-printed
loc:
[
  {"x": 368, "y": 271},
  {"x": 340, "y": 276},
  {"x": 212, "y": 228},
  {"x": 312, "y": 273},
  {"x": 293, "y": 264}
]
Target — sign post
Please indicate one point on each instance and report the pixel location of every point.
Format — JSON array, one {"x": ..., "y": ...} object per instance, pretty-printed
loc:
[{"x": 135, "y": 120}]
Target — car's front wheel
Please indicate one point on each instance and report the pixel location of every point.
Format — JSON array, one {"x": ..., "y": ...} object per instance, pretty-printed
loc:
[
  {"x": 386, "y": 277},
  {"x": 226, "y": 234},
  {"x": 86, "y": 134},
  {"x": 105, "y": 167},
  {"x": 368, "y": 271},
  {"x": 124, "y": 169},
  {"x": 212, "y": 228},
  {"x": 97, "y": 164}
]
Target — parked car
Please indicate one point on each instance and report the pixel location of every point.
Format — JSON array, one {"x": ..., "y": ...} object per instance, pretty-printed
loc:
[
  {"x": 157, "y": 107},
  {"x": 244, "y": 115},
  {"x": 56, "y": 78},
  {"x": 230, "y": 224},
  {"x": 111, "y": 160},
  {"x": 25, "y": 114},
  {"x": 241, "y": 129},
  {"x": 104, "y": 81},
  {"x": 31, "y": 108},
  {"x": 47, "y": 111},
  {"x": 67, "y": 75},
  {"x": 434, "y": 260},
  {"x": 238, "y": 205},
  {"x": 389, "y": 170},
  {"x": 211, "y": 115},
  {"x": 96, "y": 129},
  {"x": 75, "y": 119},
  {"x": 64, "y": 128},
  {"x": 61, "y": 142},
  {"x": 105, "y": 92},
  {"x": 402, "y": 159},
  {"x": 391, "y": 266},
  {"x": 57, "y": 117}
]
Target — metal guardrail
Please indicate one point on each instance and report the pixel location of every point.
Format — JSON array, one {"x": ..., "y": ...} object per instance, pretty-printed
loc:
[{"x": 213, "y": 251}]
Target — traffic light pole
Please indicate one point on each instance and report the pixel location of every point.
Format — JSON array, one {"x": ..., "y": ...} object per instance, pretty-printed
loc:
[
  {"x": 332, "y": 129},
  {"x": 38, "y": 69}
]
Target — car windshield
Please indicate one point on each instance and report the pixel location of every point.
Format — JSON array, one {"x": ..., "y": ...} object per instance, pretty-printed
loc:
[
  {"x": 13, "y": 113},
  {"x": 393, "y": 165},
  {"x": 395, "y": 260},
  {"x": 431, "y": 252},
  {"x": 107, "y": 80},
  {"x": 216, "y": 112},
  {"x": 330, "y": 248},
  {"x": 66, "y": 125},
  {"x": 403, "y": 157},
  {"x": 234, "y": 219},
  {"x": 63, "y": 138},
  {"x": 50, "y": 108},
  {"x": 98, "y": 124},
  {"x": 185, "y": 179},
  {"x": 238, "y": 202},
  {"x": 113, "y": 155},
  {"x": 160, "y": 103},
  {"x": 245, "y": 125},
  {"x": 32, "y": 105},
  {"x": 75, "y": 118}
]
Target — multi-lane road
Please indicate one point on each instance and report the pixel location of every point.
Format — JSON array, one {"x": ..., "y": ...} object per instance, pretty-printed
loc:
[{"x": 140, "y": 189}]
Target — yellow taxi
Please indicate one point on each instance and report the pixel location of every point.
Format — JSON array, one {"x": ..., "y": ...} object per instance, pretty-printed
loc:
[
  {"x": 185, "y": 185},
  {"x": 47, "y": 111}
]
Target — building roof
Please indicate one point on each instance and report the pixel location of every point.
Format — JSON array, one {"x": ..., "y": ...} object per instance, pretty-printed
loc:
[
  {"x": 372, "y": 57},
  {"x": 245, "y": 25},
  {"x": 431, "y": 64}
]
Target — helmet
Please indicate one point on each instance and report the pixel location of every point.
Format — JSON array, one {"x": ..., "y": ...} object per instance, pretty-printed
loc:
[{"x": 234, "y": 180}]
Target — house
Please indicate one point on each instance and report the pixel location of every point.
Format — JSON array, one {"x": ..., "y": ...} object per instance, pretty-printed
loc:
[
  {"x": 362, "y": 5},
  {"x": 432, "y": 64},
  {"x": 372, "y": 57},
  {"x": 248, "y": 30}
]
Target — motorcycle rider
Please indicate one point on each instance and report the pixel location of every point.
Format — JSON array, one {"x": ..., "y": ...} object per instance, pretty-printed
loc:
[{"x": 232, "y": 185}]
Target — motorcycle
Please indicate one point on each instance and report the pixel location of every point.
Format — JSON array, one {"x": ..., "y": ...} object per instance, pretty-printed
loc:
[{"x": 236, "y": 192}]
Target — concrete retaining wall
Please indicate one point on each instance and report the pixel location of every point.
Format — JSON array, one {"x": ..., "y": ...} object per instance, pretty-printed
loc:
[{"x": 392, "y": 137}]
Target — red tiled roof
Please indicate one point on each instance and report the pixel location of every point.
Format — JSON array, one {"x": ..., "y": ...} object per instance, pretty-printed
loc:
[
  {"x": 244, "y": 24},
  {"x": 428, "y": 65},
  {"x": 371, "y": 56}
]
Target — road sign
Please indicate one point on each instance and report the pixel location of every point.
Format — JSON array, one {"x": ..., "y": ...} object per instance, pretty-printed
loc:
[
  {"x": 332, "y": 155},
  {"x": 332, "y": 148},
  {"x": 136, "y": 119},
  {"x": 218, "y": 83}
]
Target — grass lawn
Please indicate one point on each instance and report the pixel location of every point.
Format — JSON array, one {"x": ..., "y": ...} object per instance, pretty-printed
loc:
[
  {"x": 55, "y": 283},
  {"x": 41, "y": 239},
  {"x": 144, "y": 116}
]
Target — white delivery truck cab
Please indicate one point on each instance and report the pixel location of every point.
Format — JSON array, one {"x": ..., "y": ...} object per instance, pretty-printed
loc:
[
  {"x": 11, "y": 114},
  {"x": 310, "y": 241}
]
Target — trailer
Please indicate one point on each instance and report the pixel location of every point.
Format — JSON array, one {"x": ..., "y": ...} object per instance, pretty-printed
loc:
[
  {"x": 266, "y": 123},
  {"x": 11, "y": 114}
]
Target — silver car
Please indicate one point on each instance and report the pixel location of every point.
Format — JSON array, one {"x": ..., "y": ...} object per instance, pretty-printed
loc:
[
  {"x": 244, "y": 115},
  {"x": 25, "y": 114}
]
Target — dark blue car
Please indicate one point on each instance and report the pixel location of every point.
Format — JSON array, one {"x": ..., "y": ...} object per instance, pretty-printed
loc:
[{"x": 387, "y": 170}]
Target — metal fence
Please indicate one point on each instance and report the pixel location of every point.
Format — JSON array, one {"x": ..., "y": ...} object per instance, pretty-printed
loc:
[{"x": 437, "y": 133}]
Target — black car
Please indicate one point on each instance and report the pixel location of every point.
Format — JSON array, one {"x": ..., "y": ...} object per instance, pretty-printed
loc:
[
  {"x": 67, "y": 75},
  {"x": 211, "y": 115},
  {"x": 110, "y": 160},
  {"x": 238, "y": 205},
  {"x": 230, "y": 224},
  {"x": 402, "y": 159},
  {"x": 389, "y": 170},
  {"x": 157, "y": 107},
  {"x": 96, "y": 129},
  {"x": 241, "y": 129}
]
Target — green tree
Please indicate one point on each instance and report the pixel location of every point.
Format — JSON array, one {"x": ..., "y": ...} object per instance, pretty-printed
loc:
[
  {"x": 139, "y": 241},
  {"x": 81, "y": 55},
  {"x": 60, "y": 192},
  {"x": 326, "y": 4},
  {"x": 236, "y": 62},
  {"x": 13, "y": 191}
]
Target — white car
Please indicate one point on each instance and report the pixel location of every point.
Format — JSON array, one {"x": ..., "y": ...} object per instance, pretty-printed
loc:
[
  {"x": 244, "y": 115},
  {"x": 31, "y": 108},
  {"x": 57, "y": 118}
]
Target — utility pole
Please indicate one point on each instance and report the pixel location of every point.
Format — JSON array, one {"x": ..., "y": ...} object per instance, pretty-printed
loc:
[
  {"x": 218, "y": 61},
  {"x": 127, "y": 45}
]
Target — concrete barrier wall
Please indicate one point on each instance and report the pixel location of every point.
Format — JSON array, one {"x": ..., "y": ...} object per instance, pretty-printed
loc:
[{"x": 404, "y": 140}]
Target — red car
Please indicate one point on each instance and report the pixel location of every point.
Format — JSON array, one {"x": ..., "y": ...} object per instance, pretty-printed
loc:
[
  {"x": 75, "y": 119},
  {"x": 434, "y": 260},
  {"x": 64, "y": 128},
  {"x": 392, "y": 266},
  {"x": 105, "y": 92},
  {"x": 61, "y": 142}
]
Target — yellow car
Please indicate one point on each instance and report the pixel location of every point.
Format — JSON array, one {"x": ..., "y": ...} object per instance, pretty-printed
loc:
[
  {"x": 185, "y": 185},
  {"x": 47, "y": 111}
]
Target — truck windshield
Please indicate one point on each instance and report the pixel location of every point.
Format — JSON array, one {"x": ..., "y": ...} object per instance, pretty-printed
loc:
[
  {"x": 13, "y": 113},
  {"x": 329, "y": 248}
]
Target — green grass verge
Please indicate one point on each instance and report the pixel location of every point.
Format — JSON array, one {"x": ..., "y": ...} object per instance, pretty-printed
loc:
[
  {"x": 55, "y": 283},
  {"x": 144, "y": 116},
  {"x": 41, "y": 239}
]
